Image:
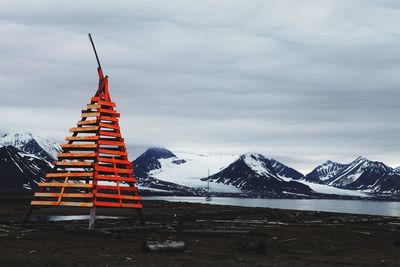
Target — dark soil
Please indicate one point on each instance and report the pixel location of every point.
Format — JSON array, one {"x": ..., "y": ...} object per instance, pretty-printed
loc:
[{"x": 215, "y": 236}]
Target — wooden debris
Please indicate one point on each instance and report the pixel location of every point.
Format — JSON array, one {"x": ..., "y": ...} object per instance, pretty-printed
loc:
[{"x": 167, "y": 246}]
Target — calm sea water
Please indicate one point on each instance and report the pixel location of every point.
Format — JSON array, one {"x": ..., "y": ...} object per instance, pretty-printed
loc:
[{"x": 384, "y": 208}]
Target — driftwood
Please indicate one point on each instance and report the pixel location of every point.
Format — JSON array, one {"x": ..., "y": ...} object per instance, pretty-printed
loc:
[{"x": 167, "y": 246}]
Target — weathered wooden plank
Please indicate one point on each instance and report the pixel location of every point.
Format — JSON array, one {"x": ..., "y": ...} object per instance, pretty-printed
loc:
[
  {"x": 117, "y": 196},
  {"x": 69, "y": 174},
  {"x": 108, "y": 118},
  {"x": 71, "y": 195},
  {"x": 109, "y": 126},
  {"x": 115, "y": 178},
  {"x": 43, "y": 203},
  {"x": 114, "y": 187},
  {"x": 82, "y": 138},
  {"x": 74, "y": 163},
  {"x": 109, "y": 111},
  {"x": 76, "y": 155},
  {"x": 76, "y": 204},
  {"x": 85, "y": 129},
  {"x": 112, "y": 152},
  {"x": 79, "y": 146},
  {"x": 92, "y": 106},
  {"x": 89, "y": 122},
  {"x": 111, "y": 160},
  {"x": 73, "y": 185},
  {"x": 102, "y": 102},
  {"x": 112, "y": 170},
  {"x": 110, "y": 133},
  {"x": 90, "y": 114},
  {"x": 111, "y": 143}
]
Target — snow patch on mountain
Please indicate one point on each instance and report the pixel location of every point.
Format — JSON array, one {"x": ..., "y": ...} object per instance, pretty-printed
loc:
[
  {"x": 32, "y": 144},
  {"x": 188, "y": 168}
]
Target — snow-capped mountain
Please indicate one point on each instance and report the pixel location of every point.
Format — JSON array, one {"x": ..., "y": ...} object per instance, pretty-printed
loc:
[
  {"x": 284, "y": 171},
  {"x": 325, "y": 172},
  {"x": 20, "y": 171},
  {"x": 42, "y": 147},
  {"x": 254, "y": 173},
  {"x": 360, "y": 174},
  {"x": 184, "y": 169}
]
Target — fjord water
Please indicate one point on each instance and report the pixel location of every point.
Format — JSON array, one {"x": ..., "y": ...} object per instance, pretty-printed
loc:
[{"x": 383, "y": 208}]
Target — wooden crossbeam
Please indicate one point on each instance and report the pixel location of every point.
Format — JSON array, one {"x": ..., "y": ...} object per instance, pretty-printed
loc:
[
  {"x": 89, "y": 122},
  {"x": 116, "y": 178},
  {"x": 110, "y": 133},
  {"x": 109, "y": 111},
  {"x": 103, "y": 195},
  {"x": 112, "y": 152},
  {"x": 69, "y": 174},
  {"x": 79, "y": 146},
  {"x": 74, "y": 163},
  {"x": 102, "y": 102},
  {"x": 82, "y": 138},
  {"x": 111, "y": 143},
  {"x": 62, "y": 203},
  {"x": 117, "y": 204},
  {"x": 113, "y": 187},
  {"x": 92, "y": 106},
  {"x": 73, "y": 185},
  {"x": 108, "y": 118},
  {"x": 76, "y": 155},
  {"x": 71, "y": 195},
  {"x": 90, "y": 114},
  {"x": 112, "y": 170},
  {"x": 111, "y": 160},
  {"x": 85, "y": 129},
  {"x": 109, "y": 126}
]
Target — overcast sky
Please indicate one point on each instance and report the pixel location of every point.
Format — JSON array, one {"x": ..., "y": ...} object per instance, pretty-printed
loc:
[{"x": 299, "y": 81}]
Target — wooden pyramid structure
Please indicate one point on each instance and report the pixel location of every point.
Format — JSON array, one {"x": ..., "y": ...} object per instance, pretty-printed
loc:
[{"x": 93, "y": 168}]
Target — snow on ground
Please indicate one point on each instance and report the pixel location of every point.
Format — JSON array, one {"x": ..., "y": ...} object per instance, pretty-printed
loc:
[
  {"x": 327, "y": 189},
  {"x": 195, "y": 168}
]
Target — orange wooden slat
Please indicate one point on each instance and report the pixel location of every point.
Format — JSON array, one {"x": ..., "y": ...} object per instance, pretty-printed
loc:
[
  {"x": 103, "y": 195},
  {"x": 109, "y": 111},
  {"x": 112, "y": 152},
  {"x": 92, "y": 106},
  {"x": 129, "y": 205},
  {"x": 102, "y": 102},
  {"x": 109, "y": 126},
  {"x": 72, "y": 195},
  {"x": 115, "y": 178},
  {"x": 79, "y": 146},
  {"x": 114, "y": 187},
  {"x": 85, "y": 129},
  {"x": 43, "y": 203},
  {"x": 74, "y": 185},
  {"x": 111, "y": 160},
  {"x": 76, "y": 204},
  {"x": 107, "y": 118},
  {"x": 76, "y": 155},
  {"x": 110, "y": 133},
  {"x": 74, "y": 163},
  {"x": 90, "y": 114},
  {"x": 89, "y": 122},
  {"x": 82, "y": 138},
  {"x": 69, "y": 174},
  {"x": 111, "y": 143},
  {"x": 112, "y": 170}
]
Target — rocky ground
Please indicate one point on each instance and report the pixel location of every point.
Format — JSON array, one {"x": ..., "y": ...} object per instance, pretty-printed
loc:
[{"x": 214, "y": 235}]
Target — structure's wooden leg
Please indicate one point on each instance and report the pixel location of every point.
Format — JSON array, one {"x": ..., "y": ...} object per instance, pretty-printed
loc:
[
  {"x": 27, "y": 215},
  {"x": 141, "y": 217},
  {"x": 92, "y": 217}
]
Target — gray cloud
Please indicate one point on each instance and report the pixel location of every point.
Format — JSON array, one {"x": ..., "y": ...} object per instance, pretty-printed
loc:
[{"x": 302, "y": 81}]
